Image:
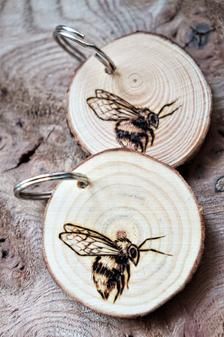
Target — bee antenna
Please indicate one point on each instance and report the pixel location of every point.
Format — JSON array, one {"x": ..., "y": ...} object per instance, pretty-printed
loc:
[
  {"x": 149, "y": 239},
  {"x": 167, "y": 105},
  {"x": 155, "y": 251}
]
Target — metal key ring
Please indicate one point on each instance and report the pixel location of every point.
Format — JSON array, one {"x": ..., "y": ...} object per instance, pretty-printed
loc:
[
  {"x": 63, "y": 35},
  {"x": 83, "y": 182}
]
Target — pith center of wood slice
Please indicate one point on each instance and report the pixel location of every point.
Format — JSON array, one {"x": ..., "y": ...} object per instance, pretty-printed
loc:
[
  {"x": 157, "y": 101},
  {"x": 130, "y": 240}
]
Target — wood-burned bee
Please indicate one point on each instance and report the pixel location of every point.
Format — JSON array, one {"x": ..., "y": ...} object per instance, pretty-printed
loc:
[
  {"x": 111, "y": 268},
  {"x": 134, "y": 126}
]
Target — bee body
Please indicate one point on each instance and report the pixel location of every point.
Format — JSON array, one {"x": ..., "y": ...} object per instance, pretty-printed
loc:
[
  {"x": 134, "y": 134},
  {"x": 134, "y": 127},
  {"x": 110, "y": 275},
  {"x": 111, "y": 266}
]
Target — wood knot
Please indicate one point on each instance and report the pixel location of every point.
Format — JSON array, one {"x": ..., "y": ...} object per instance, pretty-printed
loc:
[
  {"x": 135, "y": 80},
  {"x": 8, "y": 256},
  {"x": 19, "y": 123},
  {"x": 219, "y": 186},
  {"x": 3, "y": 92},
  {"x": 199, "y": 35},
  {"x": 12, "y": 268},
  {"x": 221, "y": 132}
]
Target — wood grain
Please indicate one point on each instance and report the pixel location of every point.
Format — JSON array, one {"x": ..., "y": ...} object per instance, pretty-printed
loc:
[
  {"x": 34, "y": 76},
  {"x": 154, "y": 77}
]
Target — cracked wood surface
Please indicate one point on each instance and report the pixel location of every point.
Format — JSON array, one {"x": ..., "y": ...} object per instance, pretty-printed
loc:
[{"x": 34, "y": 76}]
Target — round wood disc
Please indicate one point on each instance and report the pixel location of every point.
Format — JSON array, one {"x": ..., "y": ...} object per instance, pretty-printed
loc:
[
  {"x": 156, "y": 102},
  {"x": 129, "y": 241}
]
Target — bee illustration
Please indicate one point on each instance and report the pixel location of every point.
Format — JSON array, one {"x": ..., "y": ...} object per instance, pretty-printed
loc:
[
  {"x": 134, "y": 126},
  {"x": 111, "y": 267}
]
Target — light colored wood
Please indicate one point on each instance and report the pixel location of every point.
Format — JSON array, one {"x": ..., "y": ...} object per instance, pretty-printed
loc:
[
  {"x": 130, "y": 197},
  {"x": 34, "y": 139},
  {"x": 151, "y": 73}
]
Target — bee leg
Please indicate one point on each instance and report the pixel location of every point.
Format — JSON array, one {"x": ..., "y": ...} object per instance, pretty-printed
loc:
[
  {"x": 137, "y": 146},
  {"x": 129, "y": 274},
  {"x": 118, "y": 290},
  {"x": 120, "y": 286},
  {"x": 122, "y": 283},
  {"x": 102, "y": 294},
  {"x": 142, "y": 142},
  {"x": 146, "y": 142},
  {"x": 106, "y": 294},
  {"x": 152, "y": 136},
  {"x": 141, "y": 146}
]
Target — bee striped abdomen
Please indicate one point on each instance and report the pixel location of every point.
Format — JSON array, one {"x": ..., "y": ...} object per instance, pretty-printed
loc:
[
  {"x": 130, "y": 135},
  {"x": 110, "y": 275}
]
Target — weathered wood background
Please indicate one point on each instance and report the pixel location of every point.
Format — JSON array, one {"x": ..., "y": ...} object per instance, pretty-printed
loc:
[{"x": 34, "y": 138}]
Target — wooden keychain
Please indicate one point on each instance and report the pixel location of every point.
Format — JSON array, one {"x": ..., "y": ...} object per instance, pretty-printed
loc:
[
  {"x": 152, "y": 97},
  {"x": 126, "y": 237}
]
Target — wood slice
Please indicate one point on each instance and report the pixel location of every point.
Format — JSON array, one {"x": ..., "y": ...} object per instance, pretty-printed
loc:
[
  {"x": 131, "y": 198},
  {"x": 166, "y": 112}
]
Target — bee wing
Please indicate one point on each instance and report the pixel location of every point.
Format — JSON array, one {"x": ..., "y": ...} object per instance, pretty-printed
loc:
[
  {"x": 87, "y": 242},
  {"x": 110, "y": 107},
  {"x": 108, "y": 95}
]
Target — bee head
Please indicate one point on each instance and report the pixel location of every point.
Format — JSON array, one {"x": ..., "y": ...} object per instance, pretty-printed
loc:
[
  {"x": 153, "y": 119},
  {"x": 133, "y": 254}
]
